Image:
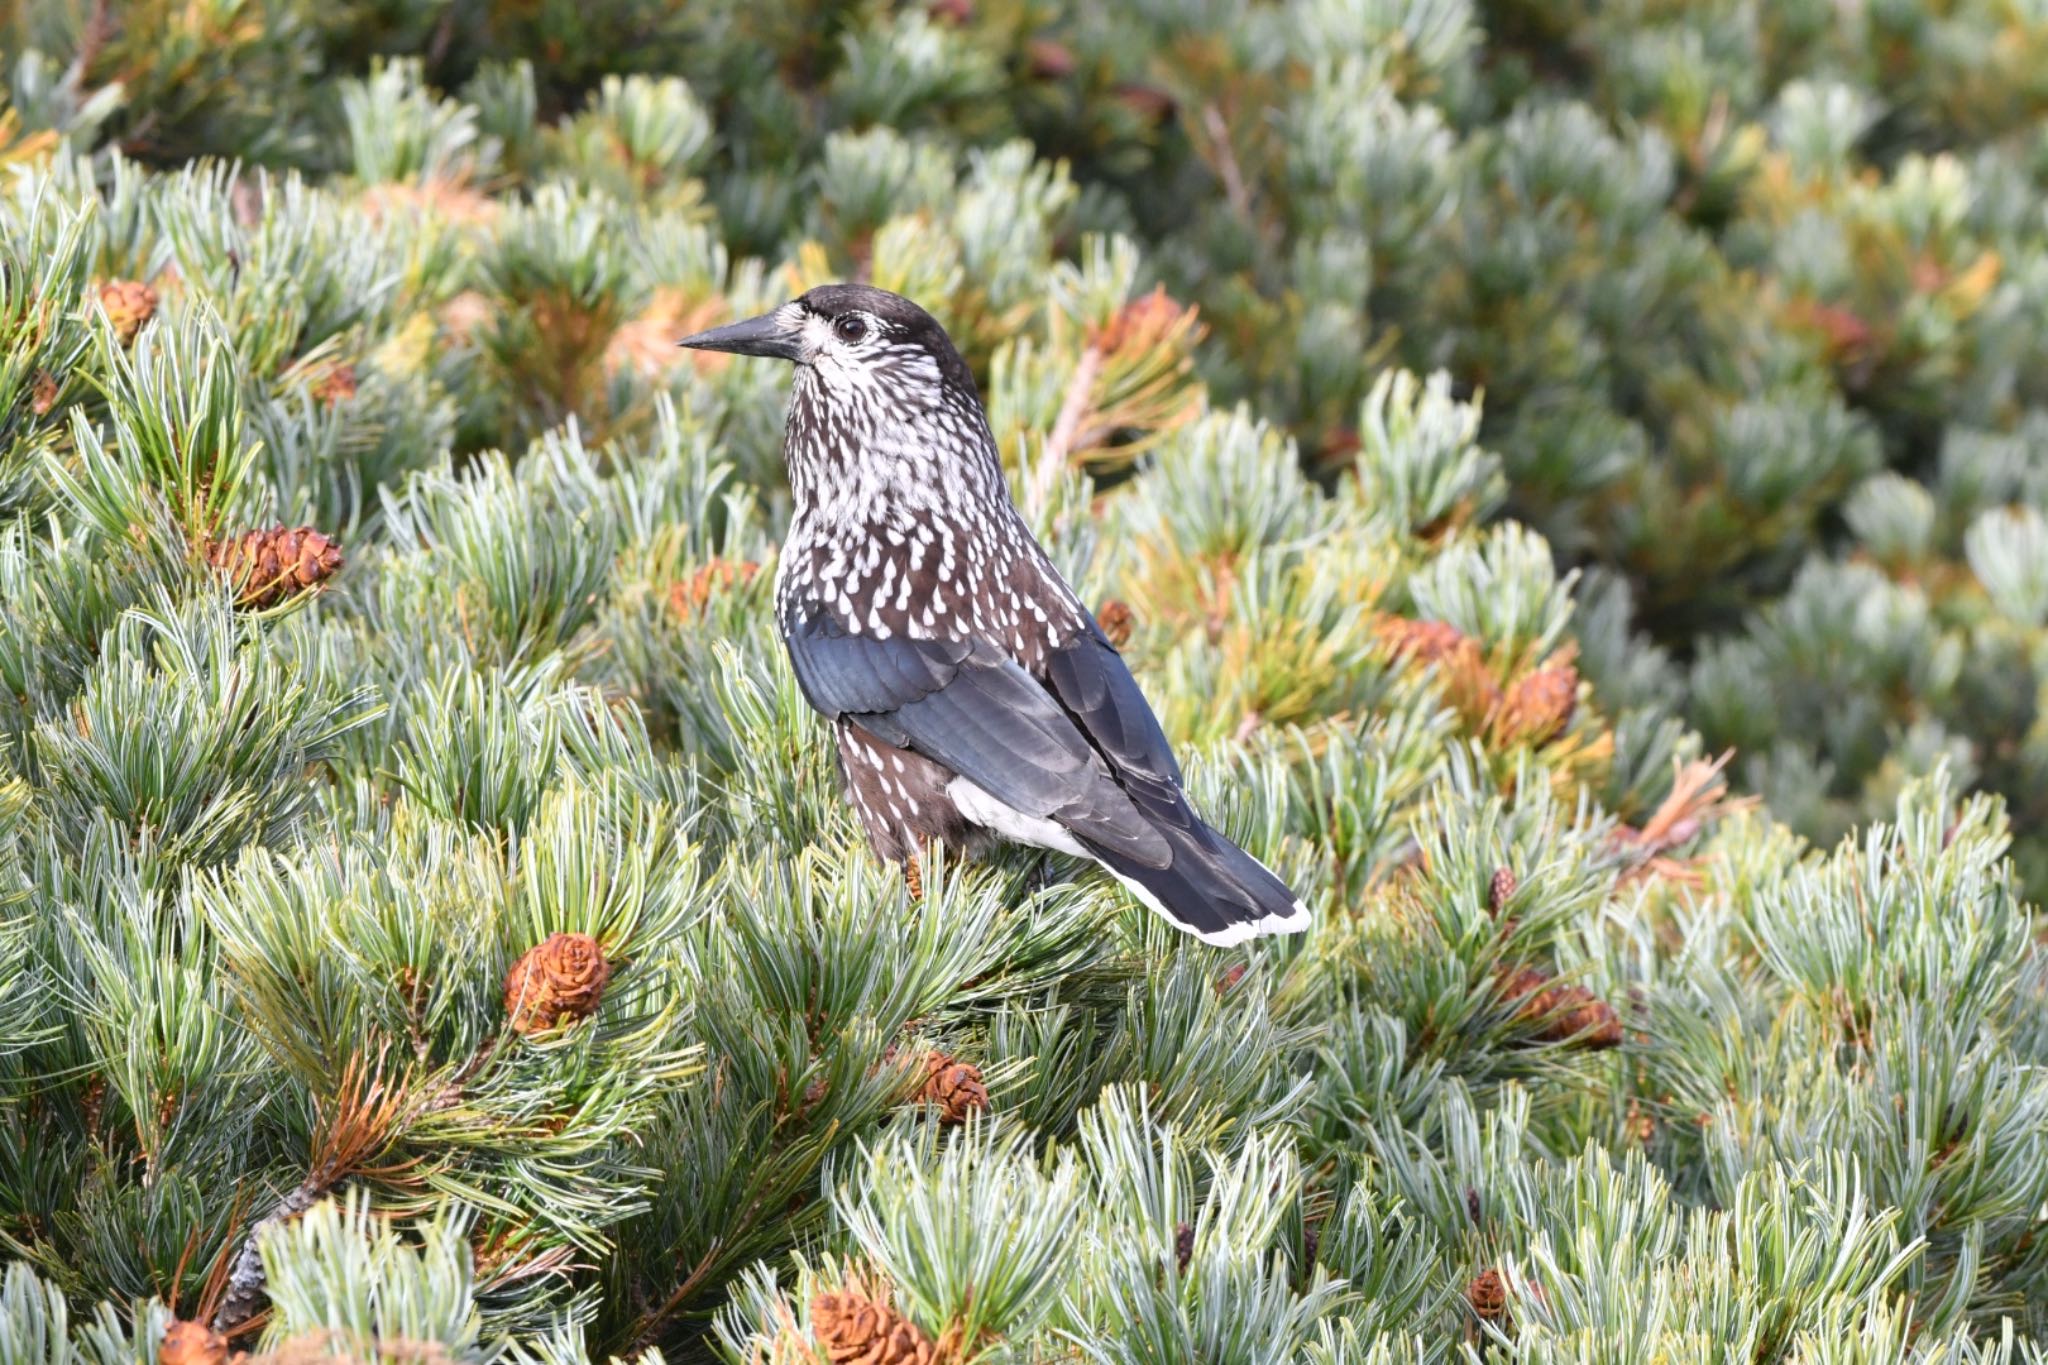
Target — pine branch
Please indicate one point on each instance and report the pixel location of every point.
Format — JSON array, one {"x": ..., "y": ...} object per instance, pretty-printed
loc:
[{"x": 1066, "y": 428}]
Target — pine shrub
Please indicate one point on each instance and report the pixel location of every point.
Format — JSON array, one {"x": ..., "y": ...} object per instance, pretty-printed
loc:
[{"x": 1568, "y": 477}]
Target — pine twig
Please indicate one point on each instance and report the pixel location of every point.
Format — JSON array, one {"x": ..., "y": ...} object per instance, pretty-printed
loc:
[
  {"x": 246, "y": 1288},
  {"x": 654, "y": 1319},
  {"x": 1226, "y": 162},
  {"x": 364, "y": 1119},
  {"x": 92, "y": 40},
  {"x": 1066, "y": 427}
]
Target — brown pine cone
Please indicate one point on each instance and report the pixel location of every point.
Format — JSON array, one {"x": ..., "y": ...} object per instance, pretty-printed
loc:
[
  {"x": 336, "y": 385},
  {"x": 859, "y": 1328},
  {"x": 1591, "y": 1021},
  {"x": 559, "y": 981},
  {"x": 913, "y": 878},
  {"x": 1538, "y": 705},
  {"x": 1501, "y": 888},
  {"x": 1561, "y": 1014},
  {"x": 953, "y": 1087},
  {"x": 1148, "y": 102},
  {"x": 42, "y": 393},
  {"x": 1049, "y": 59},
  {"x": 1488, "y": 1296},
  {"x": 267, "y": 567},
  {"x": 191, "y": 1343},
  {"x": 1183, "y": 1245},
  {"x": 129, "y": 304},
  {"x": 1116, "y": 619}
]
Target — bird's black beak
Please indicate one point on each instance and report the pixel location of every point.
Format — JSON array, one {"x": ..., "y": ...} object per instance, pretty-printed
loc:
[{"x": 772, "y": 334}]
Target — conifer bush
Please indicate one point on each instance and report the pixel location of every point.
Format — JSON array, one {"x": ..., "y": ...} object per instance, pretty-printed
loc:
[{"x": 1569, "y": 478}]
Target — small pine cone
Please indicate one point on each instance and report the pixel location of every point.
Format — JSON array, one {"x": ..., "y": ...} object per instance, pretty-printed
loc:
[
  {"x": 1589, "y": 1020},
  {"x": 953, "y": 1087},
  {"x": 1116, "y": 620},
  {"x": 1148, "y": 102},
  {"x": 693, "y": 594},
  {"x": 1488, "y": 1296},
  {"x": 1531, "y": 990},
  {"x": 1561, "y": 1014},
  {"x": 267, "y": 567},
  {"x": 191, "y": 1343},
  {"x": 42, "y": 393},
  {"x": 1232, "y": 974},
  {"x": 1501, "y": 888},
  {"x": 913, "y": 878},
  {"x": 559, "y": 981},
  {"x": 336, "y": 385},
  {"x": 1183, "y": 1245},
  {"x": 129, "y": 304},
  {"x": 1538, "y": 705},
  {"x": 1048, "y": 59},
  {"x": 859, "y": 1328}
]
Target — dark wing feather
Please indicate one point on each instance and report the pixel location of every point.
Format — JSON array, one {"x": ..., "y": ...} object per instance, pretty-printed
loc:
[
  {"x": 1091, "y": 680},
  {"x": 1208, "y": 885},
  {"x": 966, "y": 705}
]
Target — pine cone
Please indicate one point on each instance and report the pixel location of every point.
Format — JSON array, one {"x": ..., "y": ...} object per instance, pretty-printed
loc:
[
  {"x": 1501, "y": 888},
  {"x": 1561, "y": 1014},
  {"x": 1538, "y": 705},
  {"x": 857, "y": 1328},
  {"x": 913, "y": 878},
  {"x": 1488, "y": 1296},
  {"x": 42, "y": 393},
  {"x": 267, "y": 567},
  {"x": 1048, "y": 59},
  {"x": 690, "y": 596},
  {"x": 953, "y": 1087},
  {"x": 1183, "y": 1245},
  {"x": 129, "y": 304},
  {"x": 559, "y": 981},
  {"x": 1148, "y": 102},
  {"x": 191, "y": 1343},
  {"x": 1116, "y": 620},
  {"x": 1591, "y": 1021},
  {"x": 336, "y": 385}
]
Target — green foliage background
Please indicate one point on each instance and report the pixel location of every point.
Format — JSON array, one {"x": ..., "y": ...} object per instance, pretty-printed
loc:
[{"x": 1688, "y": 358}]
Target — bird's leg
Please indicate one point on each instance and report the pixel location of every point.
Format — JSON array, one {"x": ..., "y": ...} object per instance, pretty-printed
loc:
[{"x": 1044, "y": 875}]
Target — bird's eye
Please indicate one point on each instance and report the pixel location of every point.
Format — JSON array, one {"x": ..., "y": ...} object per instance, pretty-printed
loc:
[{"x": 850, "y": 329}]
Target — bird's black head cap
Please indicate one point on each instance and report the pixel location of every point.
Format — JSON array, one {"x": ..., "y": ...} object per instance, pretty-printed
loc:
[{"x": 856, "y": 330}]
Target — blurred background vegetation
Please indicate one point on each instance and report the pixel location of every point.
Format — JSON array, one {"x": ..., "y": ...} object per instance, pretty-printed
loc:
[{"x": 1756, "y": 295}]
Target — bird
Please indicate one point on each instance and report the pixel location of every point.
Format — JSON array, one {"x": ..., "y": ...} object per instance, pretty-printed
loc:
[{"x": 974, "y": 698}]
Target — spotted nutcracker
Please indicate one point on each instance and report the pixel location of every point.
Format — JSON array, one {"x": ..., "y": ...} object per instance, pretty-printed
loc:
[{"x": 972, "y": 694}]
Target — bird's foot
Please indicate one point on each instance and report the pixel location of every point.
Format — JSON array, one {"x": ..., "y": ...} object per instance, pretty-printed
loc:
[{"x": 1044, "y": 875}]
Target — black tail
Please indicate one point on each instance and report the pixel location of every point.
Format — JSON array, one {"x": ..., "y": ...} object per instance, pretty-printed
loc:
[{"x": 1209, "y": 887}]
